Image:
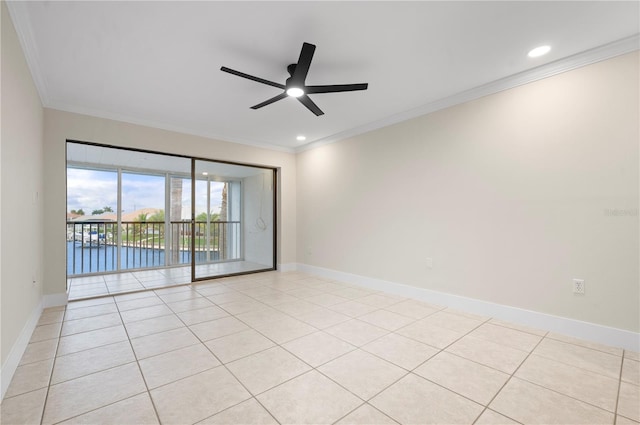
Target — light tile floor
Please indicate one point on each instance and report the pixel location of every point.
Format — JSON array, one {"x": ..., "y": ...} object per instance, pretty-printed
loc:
[
  {"x": 290, "y": 348},
  {"x": 124, "y": 282}
]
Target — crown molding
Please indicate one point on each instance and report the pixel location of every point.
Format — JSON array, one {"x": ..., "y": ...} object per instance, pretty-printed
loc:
[
  {"x": 588, "y": 57},
  {"x": 164, "y": 126},
  {"x": 19, "y": 17}
]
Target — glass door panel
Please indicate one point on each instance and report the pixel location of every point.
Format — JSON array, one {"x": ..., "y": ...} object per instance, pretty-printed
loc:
[
  {"x": 141, "y": 220},
  {"x": 233, "y": 219}
]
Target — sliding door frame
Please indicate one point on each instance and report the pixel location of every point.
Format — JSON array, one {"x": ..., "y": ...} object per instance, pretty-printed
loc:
[{"x": 193, "y": 159}]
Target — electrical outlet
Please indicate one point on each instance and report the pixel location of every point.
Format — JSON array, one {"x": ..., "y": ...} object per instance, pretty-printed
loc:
[
  {"x": 578, "y": 286},
  {"x": 429, "y": 262}
]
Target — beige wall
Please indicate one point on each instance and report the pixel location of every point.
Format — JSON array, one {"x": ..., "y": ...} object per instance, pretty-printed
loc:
[
  {"x": 60, "y": 126},
  {"x": 21, "y": 179},
  {"x": 510, "y": 195}
]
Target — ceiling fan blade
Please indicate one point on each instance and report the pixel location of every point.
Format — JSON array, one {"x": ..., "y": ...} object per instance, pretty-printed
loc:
[
  {"x": 306, "y": 101},
  {"x": 270, "y": 101},
  {"x": 251, "y": 77},
  {"x": 336, "y": 88},
  {"x": 304, "y": 61}
]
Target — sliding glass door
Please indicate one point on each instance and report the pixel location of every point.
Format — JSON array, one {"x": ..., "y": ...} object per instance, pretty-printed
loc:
[
  {"x": 233, "y": 221},
  {"x": 149, "y": 219}
]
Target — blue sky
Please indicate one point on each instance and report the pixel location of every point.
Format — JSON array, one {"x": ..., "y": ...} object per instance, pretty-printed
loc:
[{"x": 93, "y": 189}]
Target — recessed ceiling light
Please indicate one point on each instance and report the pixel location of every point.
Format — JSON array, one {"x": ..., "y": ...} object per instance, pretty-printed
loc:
[
  {"x": 295, "y": 92},
  {"x": 204, "y": 173},
  {"x": 539, "y": 51},
  {"x": 301, "y": 138}
]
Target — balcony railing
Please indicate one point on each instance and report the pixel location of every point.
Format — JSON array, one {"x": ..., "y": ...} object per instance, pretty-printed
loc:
[{"x": 97, "y": 246}]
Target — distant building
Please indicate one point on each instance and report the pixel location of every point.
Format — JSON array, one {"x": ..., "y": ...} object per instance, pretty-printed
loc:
[
  {"x": 72, "y": 216},
  {"x": 110, "y": 216}
]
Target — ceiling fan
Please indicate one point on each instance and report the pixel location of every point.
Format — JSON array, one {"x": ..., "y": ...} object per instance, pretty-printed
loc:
[{"x": 294, "y": 86}]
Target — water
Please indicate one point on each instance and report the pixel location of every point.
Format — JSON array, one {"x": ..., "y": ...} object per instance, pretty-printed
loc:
[{"x": 104, "y": 259}]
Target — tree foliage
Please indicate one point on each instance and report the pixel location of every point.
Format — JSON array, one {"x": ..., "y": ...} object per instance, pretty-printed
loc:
[
  {"x": 142, "y": 217},
  {"x": 157, "y": 217},
  {"x": 101, "y": 210},
  {"x": 202, "y": 217}
]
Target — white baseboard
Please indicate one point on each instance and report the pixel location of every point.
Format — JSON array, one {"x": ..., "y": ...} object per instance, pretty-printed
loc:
[
  {"x": 55, "y": 300},
  {"x": 287, "y": 267},
  {"x": 15, "y": 355},
  {"x": 563, "y": 325}
]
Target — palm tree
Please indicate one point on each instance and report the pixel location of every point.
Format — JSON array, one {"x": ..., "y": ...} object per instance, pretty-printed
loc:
[
  {"x": 222, "y": 237},
  {"x": 157, "y": 216},
  {"x": 137, "y": 227},
  {"x": 157, "y": 226},
  {"x": 175, "y": 215},
  {"x": 142, "y": 217}
]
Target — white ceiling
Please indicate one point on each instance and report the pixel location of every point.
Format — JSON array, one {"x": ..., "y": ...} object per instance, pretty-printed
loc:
[{"x": 158, "y": 63}]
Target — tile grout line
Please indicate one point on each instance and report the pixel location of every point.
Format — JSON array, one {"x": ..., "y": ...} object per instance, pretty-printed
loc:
[
  {"x": 221, "y": 364},
  {"x": 92, "y": 373},
  {"x": 542, "y": 337},
  {"x": 506, "y": 382},
  {"x": 98, "y": 408},
  {"x": 578, "y": 367},
  {"x": 366, "y": 403},
  {"x": 615, "y": 413},
  {"x": 477, "y": 362},
  {"x": 565, "y": 395},
  {"x": 504, "y": 325},
  {"x": 441, "y": 350},
  {"x": 144, "y": 289},
  {"x": 577, "y": 344},
  {"x": 448, "y": 345},
  {"x": 53, "y": 366},
  {"x": 360, "y": 348},
  {"x": 135, "y": 356},
  {"x": 344, "y": 354},
  {"x": 586, "y": 370},
  {"x": 91, "y": 348},
  {"x": 294, "y": 355},
  {"x": 350, "y": 412},
  {"x": 134, "y": 278},
  {"x": 56, "y": 356},
  {"x": 88, "y": 330},
  {"x": 408, "y": 372}
]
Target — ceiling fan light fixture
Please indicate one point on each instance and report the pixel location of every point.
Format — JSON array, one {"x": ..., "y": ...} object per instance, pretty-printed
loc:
[
  {"x": 295, "y": 85},
  {"x": 539, "y": 51},
  {"x": 295, "y": 92}
]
